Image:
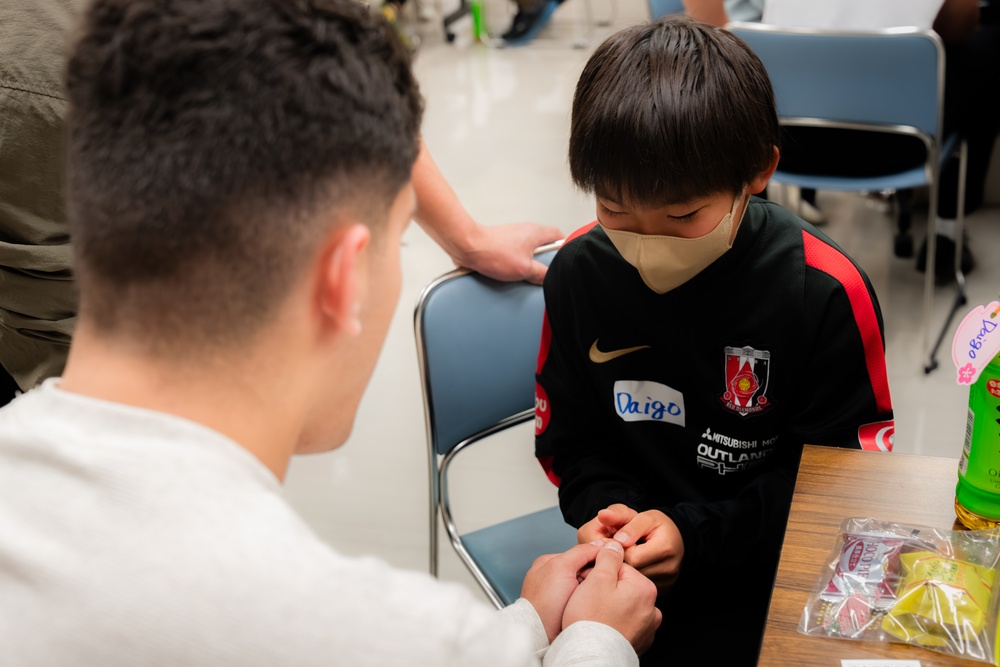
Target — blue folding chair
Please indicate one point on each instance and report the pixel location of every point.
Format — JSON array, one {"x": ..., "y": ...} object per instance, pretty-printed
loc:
[
  {"x": 888, "y": 80},
  {"x": 658, "y": 8},
  {"x": 477, "y": 344}
]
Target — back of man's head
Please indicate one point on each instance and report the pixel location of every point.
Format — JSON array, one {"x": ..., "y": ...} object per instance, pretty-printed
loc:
[
  {"x": 669, "y": 111},
  {"x": 212, "y": 142}
]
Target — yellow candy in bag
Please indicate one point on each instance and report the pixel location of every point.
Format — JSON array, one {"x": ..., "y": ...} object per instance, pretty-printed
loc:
[{"x": 940, "y": 601}]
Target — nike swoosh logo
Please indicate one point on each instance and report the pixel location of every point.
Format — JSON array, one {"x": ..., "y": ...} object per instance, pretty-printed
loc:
[{"x": 599, "y": 357}]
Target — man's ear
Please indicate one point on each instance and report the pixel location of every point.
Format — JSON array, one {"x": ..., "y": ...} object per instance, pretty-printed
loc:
[
  {"x": 341, "y": 278},
  {"x": 758, "y": 184}
]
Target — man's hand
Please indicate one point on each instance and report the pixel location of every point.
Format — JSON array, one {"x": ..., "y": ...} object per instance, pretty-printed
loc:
[
  {"x": 551, "y": 581},
  {"x": 652, "y": 542},
  {"x": 617, "y": 595},
  {"x": 504, "y": 252}
]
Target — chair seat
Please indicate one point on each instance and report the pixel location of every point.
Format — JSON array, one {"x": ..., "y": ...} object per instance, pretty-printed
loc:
[
  {"x": 911, "y": 178},
  {"x": 505, "y": 551}
]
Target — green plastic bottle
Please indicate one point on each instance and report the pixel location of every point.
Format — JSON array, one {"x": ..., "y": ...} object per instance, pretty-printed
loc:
[
  {"x": 977, "y": 496},
  {"x": 478, "y": 20}
]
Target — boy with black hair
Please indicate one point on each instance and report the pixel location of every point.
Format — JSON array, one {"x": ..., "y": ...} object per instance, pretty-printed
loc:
[
  {"x": 239, "y": 179},
  {"x": 695, "y": 337}
]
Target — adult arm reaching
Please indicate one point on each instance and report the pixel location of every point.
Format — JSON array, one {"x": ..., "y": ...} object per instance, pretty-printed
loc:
[
  {"x": 712, "y": 12},
  {"x": 503, "y": 252}
]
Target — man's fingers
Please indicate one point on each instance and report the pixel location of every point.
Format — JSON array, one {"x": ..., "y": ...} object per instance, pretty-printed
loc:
[
  {"x": 543, "y": 235},
  {"x": 608, "y": 563},
  {"x": 536, "y": 273},
  {"x": 578, "y": 557},
  {"x": 543, "y": 559}
]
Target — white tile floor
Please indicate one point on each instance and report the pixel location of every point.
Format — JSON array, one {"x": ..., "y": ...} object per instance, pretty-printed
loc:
[{"x": 497, "y": 123}]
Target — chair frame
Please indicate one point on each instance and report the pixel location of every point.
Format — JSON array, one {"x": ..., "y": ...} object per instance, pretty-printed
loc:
[
  {"x": 939, "y": 147},
  {"x": 444, "y": 507},
  {"x": 439, "y": 464}
]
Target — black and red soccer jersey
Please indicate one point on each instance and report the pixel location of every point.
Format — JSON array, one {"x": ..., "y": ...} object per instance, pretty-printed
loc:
[{"x": 697, "y": 402}]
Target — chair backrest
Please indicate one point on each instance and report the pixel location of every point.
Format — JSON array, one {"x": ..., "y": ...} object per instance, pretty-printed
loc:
[
  {"x": 658, "y": 8},
  {"x": 478, "y": 345},
  {"x": 841, "y": 77}
]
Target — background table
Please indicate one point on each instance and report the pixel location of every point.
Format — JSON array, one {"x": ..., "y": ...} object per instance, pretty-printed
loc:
[{"x": 834, "y": 484}]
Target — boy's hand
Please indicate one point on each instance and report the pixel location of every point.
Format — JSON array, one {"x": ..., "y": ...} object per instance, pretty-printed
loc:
[
  {"x": 607, "y": 522},
  {"x": 551, "y": 581},
  {"x": 618, "y": 596},
  {"x": 653, "y": 544}
]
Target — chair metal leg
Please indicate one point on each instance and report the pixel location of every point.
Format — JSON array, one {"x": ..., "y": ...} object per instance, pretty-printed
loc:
[
  {"x": 929, "y": 271},
  {"x": 433, "y": 528},
  {"x": 960, "y": 300},
  {"x": 903, "y": 243},
  {"x": 960, "y": 295},
  {"x": 463, "y": 10}
]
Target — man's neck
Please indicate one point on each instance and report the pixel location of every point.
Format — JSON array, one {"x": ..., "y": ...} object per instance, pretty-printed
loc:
[{"x": 234, "y": 398}]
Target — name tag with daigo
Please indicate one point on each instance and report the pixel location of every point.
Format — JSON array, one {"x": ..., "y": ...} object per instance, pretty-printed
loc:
[
  {"x": 644, "y": 400},
  {"x": 975, "y": 350},
  {"x": 977, "y": 342}
]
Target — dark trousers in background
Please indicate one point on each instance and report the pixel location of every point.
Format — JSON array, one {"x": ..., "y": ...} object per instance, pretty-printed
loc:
[
  {"x": 972, "y": 85},
  {"x": 8, "y": 387}
]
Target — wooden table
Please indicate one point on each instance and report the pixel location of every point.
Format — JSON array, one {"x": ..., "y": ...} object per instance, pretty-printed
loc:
[{"x": 834, "y": 484}]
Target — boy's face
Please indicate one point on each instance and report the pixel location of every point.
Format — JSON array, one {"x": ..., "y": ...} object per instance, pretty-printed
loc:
[{"x": 689, "y": 220}]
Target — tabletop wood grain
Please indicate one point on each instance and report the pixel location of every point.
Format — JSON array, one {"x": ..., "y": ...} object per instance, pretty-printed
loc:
[{"x": 834, "y": 484}]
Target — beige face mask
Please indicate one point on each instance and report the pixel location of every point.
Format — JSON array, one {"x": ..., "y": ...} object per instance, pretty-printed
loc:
[{"x": 666, "y": 262}]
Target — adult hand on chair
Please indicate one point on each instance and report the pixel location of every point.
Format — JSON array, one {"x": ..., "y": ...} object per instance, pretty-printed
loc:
[{"x": 504, "y": 252}]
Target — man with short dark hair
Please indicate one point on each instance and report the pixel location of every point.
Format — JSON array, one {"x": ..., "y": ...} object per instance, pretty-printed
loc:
[
  {"x": 37, "y": 292},
  {"x": 239, "y": 179}
]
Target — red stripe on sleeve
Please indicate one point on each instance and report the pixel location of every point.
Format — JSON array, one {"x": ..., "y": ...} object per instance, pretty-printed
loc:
[
  {"x": 543, "y": 349},
  {"x": 580, "y": 232},
  {"x": 546, "y": 462},
  {"x": 542, "y": 413},
  {"x": 832, "y": 262},
  {"x": 542, "y": 408}
]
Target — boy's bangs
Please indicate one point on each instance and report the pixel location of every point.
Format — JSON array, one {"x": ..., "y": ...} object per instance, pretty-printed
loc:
[{"x": 671, "y": 111}]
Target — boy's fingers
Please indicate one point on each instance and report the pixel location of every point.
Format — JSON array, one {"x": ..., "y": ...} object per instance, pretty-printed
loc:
[
  {"x": 616, "y": 515},
  {"x": 643, "y": 556},
  {"x": 637, "y": 528},
  {"x": 588, "y": 533}
]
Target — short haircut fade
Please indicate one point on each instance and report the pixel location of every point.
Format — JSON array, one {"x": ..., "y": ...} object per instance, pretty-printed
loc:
[
  {"x": 207, "y": 138},
  {"x": 669, "y": 111}
]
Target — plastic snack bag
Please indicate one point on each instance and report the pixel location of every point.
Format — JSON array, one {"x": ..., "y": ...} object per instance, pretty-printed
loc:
[
  {"x": 941, "y": 601},
  {"x": 895, "y": 582}
]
